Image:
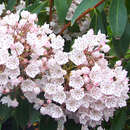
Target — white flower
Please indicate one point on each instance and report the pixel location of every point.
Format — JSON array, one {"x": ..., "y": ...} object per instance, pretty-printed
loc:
[
  {"x": 57, "y": 72},
  {"x": 11, "y": 19},
  {"x": 85, "y": 70},
  {"x": 25, "y": 14},
  {"x": 7, "y": 100},
  {"x": 85, "y": 102},
  {"x": 19, "y": 48},
  {"x": 6, "y": 40},
  {"x": 84, "y": 127},
  {"x": 12, "y": 62},
  {"x": 108, "y": 113},
  {"x": 12, "y": 73},
  {"x": 80, "y": 44},
  {"x": 58, "y": 81},
  {"x": 59, "y": 97},
  {"x": 36, "y": 90},
  {"x": 61, "y": 57},
  {"x": 100, "y": 128},
  {"x": 99, "y": 106},
  {"x": 32, "y": 70},
  {"x": 77, "y": 94},
  {"x": 107, "y": 89},
  {"x": 30, "y": 96},
  {"x": 27, "y": 85},
  {"x": 95, "y": 93},
  {"x": 46, "y": 28},
  {"x": 72, "y": 105},
  {"x": 77, "y": 57},
  {"x": 52, "y": 110},
  {"x": 3, "y": 56},
  {"x": 76, "y": 81},
  {"x": 3, "y": 78},
  {"x": 50, "y": 88},
  {"x": 118, "y": 63},
  {"x": 110, "y": 101},
  {"x": 57, "y": 42},
  {"x": 105, "y": 48},
  {"x": 95, "y": 115}
]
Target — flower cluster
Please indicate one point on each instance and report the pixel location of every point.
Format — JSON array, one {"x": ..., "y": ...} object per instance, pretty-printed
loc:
[{"x": 78, "y": 84}]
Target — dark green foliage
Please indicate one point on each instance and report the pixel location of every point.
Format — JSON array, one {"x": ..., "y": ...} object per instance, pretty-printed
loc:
[
  {"x": 11, "y": 4},
  {"x": 21, "y": 113},
  {"x": 99, "y": 22},
  {"x": 121, "y": 45},
  {"x": 119, "y": 120},
  {"x": 5, "y": 113},
  {"x": 117, "y": 17},
  {"x": 47, "y": 123},
  {"x": 61, "y": 8}
]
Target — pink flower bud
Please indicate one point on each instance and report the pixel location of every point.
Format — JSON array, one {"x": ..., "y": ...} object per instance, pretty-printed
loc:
[{"x": 49, "y": 101}]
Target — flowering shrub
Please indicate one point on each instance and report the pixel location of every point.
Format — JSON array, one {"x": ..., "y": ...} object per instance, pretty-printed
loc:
[{"x": 80, "y": 84}]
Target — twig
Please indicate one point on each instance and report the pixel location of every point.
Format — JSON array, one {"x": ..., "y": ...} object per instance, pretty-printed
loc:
[
  {"x": 50, "y": 13},
  {"x": 83, "y": 14},
  {"x": 110, "y": 57}
]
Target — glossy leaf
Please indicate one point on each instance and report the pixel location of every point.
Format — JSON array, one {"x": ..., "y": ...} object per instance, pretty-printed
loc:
[
  {"x": 128, "y": 5},
  {"x": 22, "y": 113},
  {"x": 34, "y": 116},
  {"x": 5, "y": 112},
  {"x": 117, "y": 17},
  {"x": 11, "y": 4},
  {"x": 101, "y": 7},
  {"x": 61, "y": 9},
  {"x": 47, "y": 123},
  {"x": 71, "y": 125},
  {"x": 37, "y": 7},
  {"x": 84, "y": 5},
  {"x": 119, "y": 121},
  {"x": 121, "y": 45},
  {"x": 69, "y": 3},
  {"x": 99, "y": 22}
]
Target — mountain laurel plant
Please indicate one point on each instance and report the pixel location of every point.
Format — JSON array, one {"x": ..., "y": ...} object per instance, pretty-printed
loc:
[{"x": 64, "y": 64}]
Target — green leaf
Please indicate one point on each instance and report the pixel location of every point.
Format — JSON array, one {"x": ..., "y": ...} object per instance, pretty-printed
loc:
[
  {"x": 37, "y": 7},
  {"x": 128, "y": 6},
  {"x": 99, "y": 22},
  {"x": 121, "y": 45},
  {"x": 14, "y": 124},
  {"x": 47, "y": 123},
  {"x": 34, "y": 116},
  {"x": 69, "y": 3},
  {"x": 71, "y": 125},
  {"x": 22, "y": 113},
  {"x": 117, "y": 17},
  {"x": 5, "y": 113},
  {"x": 28, "y": 2},
  {"x": 11, "y": 4},
  {"x": 61, "y": 9},
  {"x": 84, "y": 5},
  {"x": 128, "y": 67},
  {"x": 42, "y": 18},
  {"x": 101, "y": 7},
  {"x": 119, "y": 121}
]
